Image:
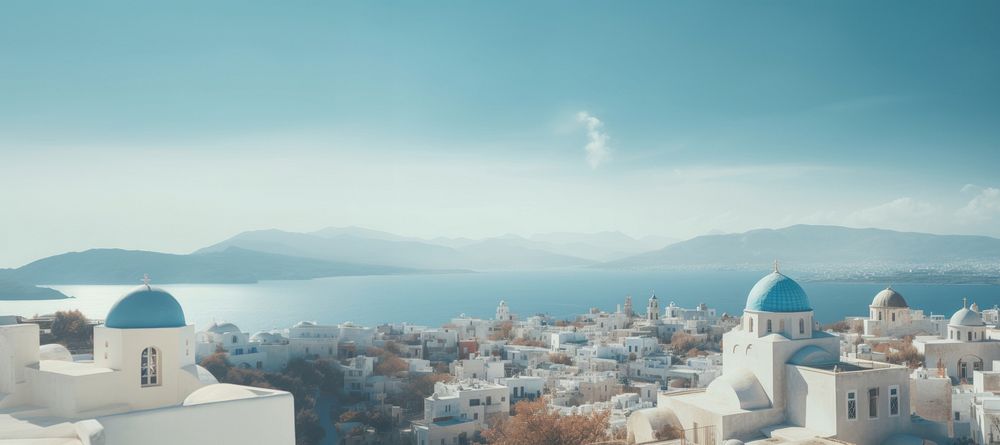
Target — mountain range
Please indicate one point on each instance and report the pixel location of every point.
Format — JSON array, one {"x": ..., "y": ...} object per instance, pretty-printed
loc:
[
  {"x": 818, "y": 245},
  {"x": 281, "y": 255},
  {"x": 354, "y": 244}
]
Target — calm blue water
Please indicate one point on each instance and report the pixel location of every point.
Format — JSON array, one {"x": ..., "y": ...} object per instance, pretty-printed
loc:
[{"x": 434, "y": 299}]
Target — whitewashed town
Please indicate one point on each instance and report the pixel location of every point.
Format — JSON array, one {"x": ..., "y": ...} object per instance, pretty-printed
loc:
[{"x": 652, "y": 372}]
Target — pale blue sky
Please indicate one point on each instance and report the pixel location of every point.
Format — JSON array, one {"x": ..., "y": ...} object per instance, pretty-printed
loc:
[{"x": 168, "y": 126}]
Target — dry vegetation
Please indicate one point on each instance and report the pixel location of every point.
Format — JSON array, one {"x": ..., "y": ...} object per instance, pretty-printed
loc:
[{"x": 533, "y": 423}]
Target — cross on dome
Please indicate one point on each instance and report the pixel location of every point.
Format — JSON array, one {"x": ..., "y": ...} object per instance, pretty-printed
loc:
[{"x": 145, "y": 279}]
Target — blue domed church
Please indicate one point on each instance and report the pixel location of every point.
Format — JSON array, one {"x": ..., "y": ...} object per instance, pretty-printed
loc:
[
  {"x": 142, "y": 386},
  {"x": 784, "y": 380}
]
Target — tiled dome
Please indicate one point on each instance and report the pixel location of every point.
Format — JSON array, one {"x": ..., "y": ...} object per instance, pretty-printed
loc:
[
  {"x": 777, "y": 293},
  {"x": 146, "y": 307}
]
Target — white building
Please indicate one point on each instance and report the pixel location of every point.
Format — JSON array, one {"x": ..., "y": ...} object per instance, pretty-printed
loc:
[
  {"x": 783, "y": 379},
  {"x": 483, "y": 368},
  {"x": 238, "y": 347},
  {"x": 503, "y": 312},
  {"x": 968, "y": 347},
  {"x": 142, "y": 386},
  {"x": 523, "y": 387},
  {"x": 456, "y": 412},
  {"x": 890, "y": 316}
]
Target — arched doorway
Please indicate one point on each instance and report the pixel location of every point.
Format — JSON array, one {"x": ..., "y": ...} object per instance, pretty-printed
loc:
[{"x": 967, "y": 366}]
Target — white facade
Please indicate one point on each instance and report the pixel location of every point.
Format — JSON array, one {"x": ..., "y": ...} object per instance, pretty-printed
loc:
[
  {"x": 460, "y": 410},
  {"x": 143, "y": 386},
  {"x": 968, "y": 347},
  {"x": 782, "y": 378}
]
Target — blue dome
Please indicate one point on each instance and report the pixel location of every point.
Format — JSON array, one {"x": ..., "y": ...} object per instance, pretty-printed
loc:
[
  {"x": 146, "y": 307},
  {"x": 777, "y": 293}
]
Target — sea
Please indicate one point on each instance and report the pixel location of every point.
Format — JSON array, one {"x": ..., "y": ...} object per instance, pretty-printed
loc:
[{"x": 434, "y": 299}]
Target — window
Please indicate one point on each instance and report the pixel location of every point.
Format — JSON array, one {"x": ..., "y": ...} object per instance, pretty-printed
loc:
[
  {"x": 473, "y": 402},
  {"x": 149, "y": 367},
  {"x": 234, "y": 339},
  {"x": 894, "y": 400},
  {"x": 802, "y": 326},
  {"x": 969, "y": 334},
  {"x": 893, "y": 316},
  {"x": 489, "y": 400},
  {"x": 751, "y": 325},
  {"x": 873, "y": 403},
  {"x": 769, "y": 330},
  {"x": 880, "y": 316},
  {"x": 958, "y": 416},
  {"x": 852, "y": 405}
]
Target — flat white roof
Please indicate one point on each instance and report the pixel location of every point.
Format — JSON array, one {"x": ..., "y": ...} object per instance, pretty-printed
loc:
[{"x": 71, "y": 368}]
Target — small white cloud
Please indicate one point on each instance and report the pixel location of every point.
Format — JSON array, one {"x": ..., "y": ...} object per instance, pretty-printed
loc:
[
  {"x": 983, "y": 207},
  {"x": 901, "y": 212},
  {"x": 971, "y": 188},
  {"x": 597, "y": 140}
]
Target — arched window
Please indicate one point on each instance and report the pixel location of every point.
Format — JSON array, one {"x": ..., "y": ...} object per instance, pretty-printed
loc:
[
  {"x": 234, "y": 339},
  {"x": 969, "y": 335},
  {"x": 769, "y": 330},
  {"x": 149, "y": 367},
  {"x": 802, "y": 326},
  {"x": 893, "y": 316},
  {"x": 751, "y": 324},
  {"x": 880, "y": 316}
]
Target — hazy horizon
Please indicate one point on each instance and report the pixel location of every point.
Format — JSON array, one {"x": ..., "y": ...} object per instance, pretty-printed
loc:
[{"x": 169, "y": 128}]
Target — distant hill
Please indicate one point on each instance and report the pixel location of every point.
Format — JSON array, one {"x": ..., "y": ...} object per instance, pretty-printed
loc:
[
  {"x": 230, "y": 265},
  {"x": 343, "y": 247},
  {"x": 355, "y": 244},
  {"x": 807, "y": 244},
  {"x": 11, "y": 290},
  {"x": 600, "y": 246}
]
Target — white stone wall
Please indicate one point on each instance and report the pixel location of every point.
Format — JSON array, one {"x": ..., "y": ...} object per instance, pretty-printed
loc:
[{"x": 261, "y": 420}]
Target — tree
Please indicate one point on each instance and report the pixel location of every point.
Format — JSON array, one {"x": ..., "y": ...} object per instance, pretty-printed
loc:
[
  {"x": 390, "y": 365},
  {"x": 669, "y": 432},
  {"x": 217, "y": 364},
  {"x": 503, "y": 332},
  {"x": 533, "y": 423},
  {"x": 416, "y": 389},
  {"x": 682, "y": 341},
  {"x": 307, "y": 428},
  {"x": 560, "y": 358},
  {"x": 71, "y": 329},
  {"x": 521, "y": 341}
]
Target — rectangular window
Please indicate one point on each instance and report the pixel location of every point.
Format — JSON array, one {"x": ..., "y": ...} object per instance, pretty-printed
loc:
[
  {"x": 473, "y": 402},
  {"x": 894, "y": 400},
  {"x": 489, "y": 400},
  {"x": 873, "y": 403},
  {"x": 769, "y": 327},
  {"x": 852, "y": 405}
]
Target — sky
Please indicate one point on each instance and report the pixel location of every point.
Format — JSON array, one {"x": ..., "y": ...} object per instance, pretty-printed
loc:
[{"x": 169, "y": 126}]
